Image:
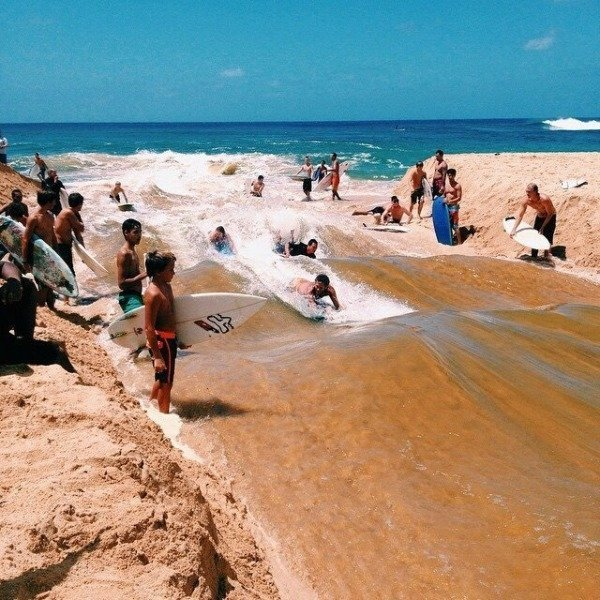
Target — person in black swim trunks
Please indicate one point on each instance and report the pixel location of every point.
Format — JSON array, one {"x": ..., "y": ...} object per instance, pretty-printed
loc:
[
  {"x": 306, "y": 169},
  {"x": 300, "y": 249}
]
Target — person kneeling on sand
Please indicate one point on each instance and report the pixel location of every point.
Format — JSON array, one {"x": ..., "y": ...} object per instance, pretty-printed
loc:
[
  {"x": 316, "y": 290},
  {"x": 159, "y": 324},
  {"x": 545, "y": 218},
  {"x": 394, "y": 212},
  {"x": 376, "y": 211},
  {"x": 300, "y": 249},
  {"x": 129, "y": 276}
]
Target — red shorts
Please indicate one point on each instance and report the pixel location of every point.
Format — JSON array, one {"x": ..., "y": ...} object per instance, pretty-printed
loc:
[
  {"x": 335, "y": 180},
  {"x": 167, "y": 344}
]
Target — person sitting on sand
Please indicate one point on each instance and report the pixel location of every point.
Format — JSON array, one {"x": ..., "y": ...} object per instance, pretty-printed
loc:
[
  {"x": 545, "y": 217},
  {"x": 40, "y": 223},
  {"x": 41, "y": 163},
  {"x": 221, "y": 241},
  {"x": 116, "y": 192},
  {"x": 394, "y": 212},
  {"x": 376, "y": 211},
  {"x": 129, "y": 275},
  {"x": 300, "y": 249},
  {"x": 316, "y": 290},
  {"x": 69, "y": 224},
  {"x": 257, "y": 187},
  {"x": 418, "y": 193},
  {"x": 453, "y": 196},
  {"x": 17, "y": 198},
  {"x": 159, "y": 324}
]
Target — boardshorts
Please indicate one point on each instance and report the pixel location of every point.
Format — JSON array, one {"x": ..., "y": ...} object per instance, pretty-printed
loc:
[
  {"x": 65, "y": 251},
  {"x": 167, "y": 344},
  {"x": 416, "y": 195},
  {"x": 307, "y": 185},
  {"x": 129, "y": 301}
]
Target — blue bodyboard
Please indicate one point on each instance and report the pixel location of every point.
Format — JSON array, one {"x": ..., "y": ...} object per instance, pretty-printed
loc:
[{"x": 441, "y": 221}]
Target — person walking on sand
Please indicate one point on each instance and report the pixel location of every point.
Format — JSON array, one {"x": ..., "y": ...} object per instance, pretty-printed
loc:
[
  {"x": 316, "y": 290},
  {"x": 453, "y": 196},
  {"x": 69, "y": 224},
  {"x": 394, "y": 212},
  {"x": 418, "y": 194},
  {"x": 257, "y": 186},
  {"x": 335, "y": 176},
  {"x": 440, "y": 167},
  {"x": 53, "y": 184},
  {"x": 129, "y": 276},
  {"x": 116, "y": 192},
  {"x": 40, "y": 223},
  {"x": 3, "y": 147},
  {"x": 159, "y": 324},
  {"x": 43, "y": 167},
  {"x": 306, "y": 169},
  {"x": 545, "y": 217}
]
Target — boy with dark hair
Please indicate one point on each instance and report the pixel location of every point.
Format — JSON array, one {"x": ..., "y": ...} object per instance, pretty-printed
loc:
[
  {"x": 320, "y": 288},
  {"x": 159, "y": 324},
  {"x": 300, "y": 249},
  {"x": 16, "y": 199},
  {"x": 129, "y": 276},
  {"x": 69, "y": 224},
  {"x": 453, "y": 194},
  {"x": 40, "y": 223},
  {"x": 257, "y": 186}
]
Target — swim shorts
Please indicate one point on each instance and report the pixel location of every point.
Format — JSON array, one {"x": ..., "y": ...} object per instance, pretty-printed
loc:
[
  {"x": 65, "y": 251},
  {"x": 453, "y": 213},
  {"x": 437, "y": 187},
  {"x": 416, "y": 195},
  {"x": 167, "y": 344},
  {"x": 377, "y": 210},
  {"x": 335, "y": 180},
  {"x": 129, "y": 301},
  {"x": 307, "y": 185}
]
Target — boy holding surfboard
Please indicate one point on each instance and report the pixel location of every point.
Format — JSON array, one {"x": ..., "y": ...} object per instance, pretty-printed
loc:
[
  {"x": 129, "y": 276},
  {"x": 69, "y": 224}
]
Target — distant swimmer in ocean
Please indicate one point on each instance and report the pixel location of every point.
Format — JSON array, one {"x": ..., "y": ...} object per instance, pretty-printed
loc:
[
  {"x": 418, "y": 193},
  {"x": 306, "y": 169},
  {"x": 440, "y": 167},
  {"x": 317, "y": 289},
  {"x": 394, "y": 212},
  {"x": 257, "y": 186},
  {"x": 129, "y": 275},
  {"x": 39, "y": 161},
  {"x": 300, "y": 249},
  {"x": 116, "y": 193},
  {"x": 159, "y": 324},
  {"x": 453, "y": 196},
  {"x": 545, "y": 217},
  {"x": 221, "y": 241},
  {"x": 335, "y": 176},
  {"x": 376, "y": 211}
]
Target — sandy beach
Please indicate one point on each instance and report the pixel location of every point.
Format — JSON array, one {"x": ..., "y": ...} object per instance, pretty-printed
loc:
[{"x": 96, "y": 501}]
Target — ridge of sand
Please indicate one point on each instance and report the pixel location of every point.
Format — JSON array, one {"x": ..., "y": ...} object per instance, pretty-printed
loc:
[{"x": 96, "y": 501}]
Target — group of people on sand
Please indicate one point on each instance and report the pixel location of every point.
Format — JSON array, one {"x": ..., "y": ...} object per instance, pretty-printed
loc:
[{"x": 310, "y": 174}]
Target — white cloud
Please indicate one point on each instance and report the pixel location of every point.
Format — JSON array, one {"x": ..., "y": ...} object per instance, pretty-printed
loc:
[
  {"x": 237, "y": 72},
  {"x": 542, "y": 43}
]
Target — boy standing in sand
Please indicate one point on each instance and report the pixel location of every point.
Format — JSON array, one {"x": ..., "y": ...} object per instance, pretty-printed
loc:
[
  {"x": 417, "y": 194},
  {"x": 453, "y": 193},
  {"x": 69, "y": 224},
  {"x": 160, "y": 325},
  {"x": 40, "y": 223},
  {"x": 129, "y": 277}
]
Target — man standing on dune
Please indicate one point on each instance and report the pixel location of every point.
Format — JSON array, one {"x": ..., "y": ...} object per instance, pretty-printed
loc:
[
  {"x": 440, "y": 167},
  {"x": 453, "y": 196},
  {"x": 418, "y": 193}
]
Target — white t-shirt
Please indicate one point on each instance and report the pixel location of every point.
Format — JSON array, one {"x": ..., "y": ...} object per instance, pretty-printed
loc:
[{"x": 3, "y": 145}]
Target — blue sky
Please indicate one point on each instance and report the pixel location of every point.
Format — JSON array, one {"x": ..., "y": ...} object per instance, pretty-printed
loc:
[{"x": 190, "y": 60}]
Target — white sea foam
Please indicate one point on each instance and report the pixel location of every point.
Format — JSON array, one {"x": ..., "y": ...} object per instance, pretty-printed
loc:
[{"x": 571, "y": 124}]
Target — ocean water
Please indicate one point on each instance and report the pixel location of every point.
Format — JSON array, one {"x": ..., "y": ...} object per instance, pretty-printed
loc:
[{"x": 438, "y": 436}]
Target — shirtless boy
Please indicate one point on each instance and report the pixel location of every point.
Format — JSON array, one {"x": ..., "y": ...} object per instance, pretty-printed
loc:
[
  {"x": 545, "y": 218},
  {"x": 453, "y": 194},
  {"x": 335, "y": 176},
  {"x": 306, "y": 169},
  {"x": 69, "y": 224},
  {"x": 440, "y": 167},
  {"x": 418, "y": 194},
  {"x": 116, "y": 191},
  {"x": 393, "y": 213},
  {"x": 40, "y": 223},
  {"x": 129, "y": 277},
  {"x": 221, "y": 241},
  {"x": 257, "y": 186},
  {"x": 39, "y": 161},
  {"x": 159, "y": 323},
  {"x": 320, "y": 288}
]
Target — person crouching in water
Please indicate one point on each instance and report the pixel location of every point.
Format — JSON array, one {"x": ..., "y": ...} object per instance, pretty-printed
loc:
[{"x": 160, "y": 325}]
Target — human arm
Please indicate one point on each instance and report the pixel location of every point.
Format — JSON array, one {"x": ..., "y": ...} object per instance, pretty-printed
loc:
[
  {"x": 152, "y": 306},
  {"x": 519, "y": 218},
  {"x": 77, "y": 227},
  {"x": 124, "y": 266},
  {"x": 334, "y": 298}
]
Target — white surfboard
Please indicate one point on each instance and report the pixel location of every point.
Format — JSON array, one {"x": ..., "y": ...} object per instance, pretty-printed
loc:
[
  {"x": 297, "y": 177},
  {"x": 48, "y": 266},
  {"x": 326, "y": 181},
  {"x": 526, "y": 235},
  {"x": 198, "y": 317},
  {"x": 393, "y": 227},
  {"x": 567, "y": 184},
  {"x": 34, "y": 172},
  {"x": 427, "y": 195}
]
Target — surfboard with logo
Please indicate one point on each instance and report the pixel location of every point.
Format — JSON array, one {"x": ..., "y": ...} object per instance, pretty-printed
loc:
[
  {"x": 48, "y": 266},
  {"x": 198, "y": 317}
]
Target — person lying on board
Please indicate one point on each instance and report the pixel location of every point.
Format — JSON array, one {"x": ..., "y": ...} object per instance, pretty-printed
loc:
[
  {"x": 376, "y": 211},
  {"x": 257, "y": 186},
  {"x": 317, "y": 289},
  {"x": 394, "y": 213},
  {"x": 300, "y": 249},
  {"x": 221, "y": 241},
  {"x": 545, "y": 215}
]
